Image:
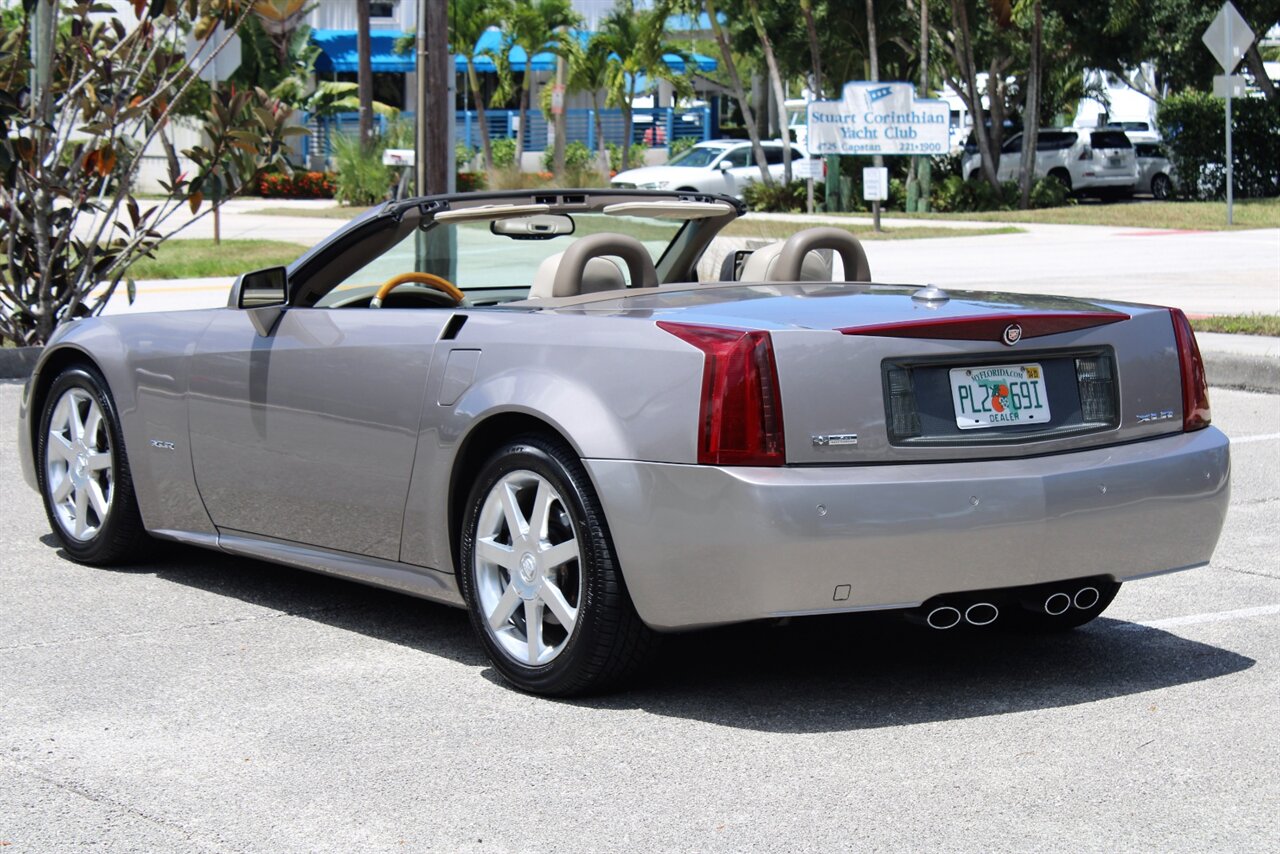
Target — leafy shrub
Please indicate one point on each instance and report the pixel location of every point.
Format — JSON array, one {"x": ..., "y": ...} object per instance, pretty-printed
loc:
[
  {"x": 897, "y": 200},
  {"x": 299, "y": 185},
  {"x": 1050, "y": 193},
  {"x": 361, "y": 179},
  {"x": 954, "y": 194},
  {"x": 615, "y": 156},
  {"x": 468, "y": 182},
  {"x": 781, "y": 198},
  {"x": 680, "y": 145},
  {"x": 504, "y": 153},
  {"x": 1192, "y": 124},
  {"x": 399, "y": 133},
  {"x": 577, "y": 157},
  {"x": 463, "y": 154}
]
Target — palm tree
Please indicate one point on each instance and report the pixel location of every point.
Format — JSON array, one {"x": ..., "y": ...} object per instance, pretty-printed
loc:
[
  {"x": 589, "y": 72},
  {"x": 537, "y": 26},
  {"x": 637, "y": 45},
  {"x": 739, "y": 91},
  {"x": 470, "y": 20}
]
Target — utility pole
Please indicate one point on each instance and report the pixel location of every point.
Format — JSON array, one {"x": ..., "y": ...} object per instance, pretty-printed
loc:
[
  {"x": 431, "y": 160},
  {"x": 874, "y": 56},
  {"x": 924, "y": 166}
]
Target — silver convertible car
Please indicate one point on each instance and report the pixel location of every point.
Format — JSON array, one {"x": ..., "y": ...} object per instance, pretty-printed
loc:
[{"x": 529, "y": 405}]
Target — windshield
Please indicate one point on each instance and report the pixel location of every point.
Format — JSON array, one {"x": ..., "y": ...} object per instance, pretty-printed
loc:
[
  {"x": 489, "y": 267},
  {"x": 698, "y": 158}
]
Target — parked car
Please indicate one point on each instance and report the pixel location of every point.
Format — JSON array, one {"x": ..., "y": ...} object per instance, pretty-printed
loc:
[
  {"x": 1086, "y": 162},
  {"x": 1155, "y": 172},
  {"x": 1137, "y": 131},
  {"x": 719, "y": 166},
  {"x": 525, "y": 404}
]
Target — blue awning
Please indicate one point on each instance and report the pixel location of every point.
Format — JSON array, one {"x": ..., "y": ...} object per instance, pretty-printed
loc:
[{"x": 338, "y": 53}]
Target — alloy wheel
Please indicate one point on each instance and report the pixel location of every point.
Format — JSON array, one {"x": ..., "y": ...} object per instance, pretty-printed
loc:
[
  {"x": 79, "y": 471},
  {"x": 527, "y": 568}
]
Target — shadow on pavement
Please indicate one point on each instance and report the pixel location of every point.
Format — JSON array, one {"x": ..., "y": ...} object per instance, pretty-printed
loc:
[
  {"x": 874, "y": 670},
  {"x": 382, "y": 614},
  {"x": 819, "y": 674}
]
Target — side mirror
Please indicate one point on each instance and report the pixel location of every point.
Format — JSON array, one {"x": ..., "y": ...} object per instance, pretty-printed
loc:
[
  {"x": 263, "y": 288},
  {"x": 724, "y": 165},
  {"x": 264, "y": 294}
]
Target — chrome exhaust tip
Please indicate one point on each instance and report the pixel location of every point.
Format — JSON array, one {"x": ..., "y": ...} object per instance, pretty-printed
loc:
[
  {"x": 1086, "y": 598},
  {"x": 943, "y": 617},
  {"x": 1057, "y": 604},
  {"x": 981, "y": 614}
]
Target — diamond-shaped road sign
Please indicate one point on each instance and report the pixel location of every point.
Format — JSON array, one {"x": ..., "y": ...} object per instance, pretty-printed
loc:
[{"x": 1228, "y": 37}]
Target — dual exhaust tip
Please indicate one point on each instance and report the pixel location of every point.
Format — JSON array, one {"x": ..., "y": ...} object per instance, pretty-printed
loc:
[
  {"x": 985, "y": 613},
  {"x": 949, "y": 616},
  {"x": 1061, "y": 602}
]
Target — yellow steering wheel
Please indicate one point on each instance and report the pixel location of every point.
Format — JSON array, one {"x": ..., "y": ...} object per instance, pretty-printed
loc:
[{"x": 431, "y": 280}]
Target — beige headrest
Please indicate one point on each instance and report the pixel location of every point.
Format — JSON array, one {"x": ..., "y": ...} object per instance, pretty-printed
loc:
[
  {"x": 760, "y": 264},
  {"x": 600, "y": 274}
]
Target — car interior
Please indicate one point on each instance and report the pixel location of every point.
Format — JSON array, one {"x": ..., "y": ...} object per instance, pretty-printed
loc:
[{"x": 524, "y": 251}]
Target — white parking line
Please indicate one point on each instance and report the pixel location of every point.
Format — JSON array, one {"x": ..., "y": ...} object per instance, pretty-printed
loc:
[
  {"x": 1211, "y": 617},
  {"x": 1263, "y": 437}
]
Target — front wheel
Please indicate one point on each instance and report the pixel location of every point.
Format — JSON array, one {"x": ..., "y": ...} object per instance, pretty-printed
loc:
[
  {"x": 540, "y": 577},
  {"x": 84, "y": 473}
]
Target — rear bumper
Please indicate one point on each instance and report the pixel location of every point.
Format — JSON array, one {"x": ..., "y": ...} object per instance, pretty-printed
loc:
[
  {"x": 1091, "y": 182},
  {"x": 700, "y": 545}
]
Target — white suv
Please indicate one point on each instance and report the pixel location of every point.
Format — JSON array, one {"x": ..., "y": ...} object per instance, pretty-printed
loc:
[{"x": 1084, "y": 160}]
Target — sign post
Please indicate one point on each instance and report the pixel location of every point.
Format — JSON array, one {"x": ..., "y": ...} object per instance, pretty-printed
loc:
[
  {"x": 809, "y": 169},
  {"x": 1227, "y": 38}
]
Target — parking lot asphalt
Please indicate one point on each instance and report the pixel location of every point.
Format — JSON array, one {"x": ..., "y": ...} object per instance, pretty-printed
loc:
[{"x": 200, "y": 702}]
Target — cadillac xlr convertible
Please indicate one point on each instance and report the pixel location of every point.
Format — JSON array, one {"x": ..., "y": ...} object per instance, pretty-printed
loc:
[{"x": 532, "y": 406}]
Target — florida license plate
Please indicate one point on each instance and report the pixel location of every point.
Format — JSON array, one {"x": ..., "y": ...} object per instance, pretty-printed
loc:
[{"x": 999, "y": 396}]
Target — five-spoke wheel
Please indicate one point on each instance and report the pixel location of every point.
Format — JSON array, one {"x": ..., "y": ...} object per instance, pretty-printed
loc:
[{"x": 540, "y": 576}]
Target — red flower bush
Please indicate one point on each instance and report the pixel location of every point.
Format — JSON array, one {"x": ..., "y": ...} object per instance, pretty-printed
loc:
[{"x": 300, "y": 185}]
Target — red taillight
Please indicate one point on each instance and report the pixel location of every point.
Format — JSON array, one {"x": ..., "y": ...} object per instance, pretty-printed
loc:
[
  {"x": 1195, "y": 386},
  {"x": 740, "y": 422}
]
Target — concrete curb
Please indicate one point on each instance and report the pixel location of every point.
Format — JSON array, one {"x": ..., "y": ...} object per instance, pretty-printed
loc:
[
  {"x": 1236, "y": 370},
  {"x": 16, "y": 363}
]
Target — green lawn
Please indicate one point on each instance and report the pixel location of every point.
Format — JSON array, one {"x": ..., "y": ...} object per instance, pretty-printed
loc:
[
  {"x": 193, "y": 259},
  {"x": 1195, "y": 216},
  {"x": 335, "y": 212},
  {"x": 775, "y": 230},
  {"x": 1240, "y": 324}
]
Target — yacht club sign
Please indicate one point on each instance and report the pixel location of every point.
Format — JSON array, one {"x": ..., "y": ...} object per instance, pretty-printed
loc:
[{"x": 878, "y": 118}]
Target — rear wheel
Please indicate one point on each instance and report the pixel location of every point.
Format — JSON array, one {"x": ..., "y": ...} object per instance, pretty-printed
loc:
[
  {"x": 1063, "y": 177},
  {"x": 1161, "y": 187},
  {"x": 1059, "y": 610},
  {"x": 84, "y": 473},
  {"x": 540, "y": 577}
]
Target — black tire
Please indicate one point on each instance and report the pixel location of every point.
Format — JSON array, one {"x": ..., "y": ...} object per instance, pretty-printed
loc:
[
  {"x": 1033, "y": 617},
  {"x": 975, "y": 175},
  {"x": 121, "y": 537},
  {"x": 1161, "y": 187},
  {"x": 686, "y": 189},
  {"x": 1063, "y": 177},
  {"x": 608, "y": 642}
]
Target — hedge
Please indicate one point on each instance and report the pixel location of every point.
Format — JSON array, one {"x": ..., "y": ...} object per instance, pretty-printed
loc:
[{"x": 1193, "y": 126}]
